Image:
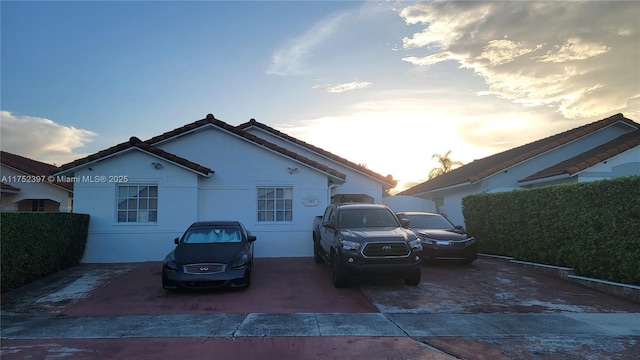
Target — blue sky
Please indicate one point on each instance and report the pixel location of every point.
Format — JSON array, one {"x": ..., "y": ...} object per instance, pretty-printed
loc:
[{"x": 386, "y": 84}]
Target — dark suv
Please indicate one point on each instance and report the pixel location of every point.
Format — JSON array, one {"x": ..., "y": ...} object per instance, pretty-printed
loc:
[{"x": 366, "y": 241}]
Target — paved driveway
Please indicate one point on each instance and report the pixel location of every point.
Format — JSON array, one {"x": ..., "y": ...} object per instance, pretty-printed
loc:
[{"x": 492, "y": 309}]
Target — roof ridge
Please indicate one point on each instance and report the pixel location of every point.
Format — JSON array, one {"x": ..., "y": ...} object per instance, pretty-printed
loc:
[
  {"x": 560, "y": 139},
  {"x": 32, "y": 167},
  {"x": 590, "y": 157},
  {"x": 485, "y": 167},
  {"x": 149, "y": 145},
  {"x": 4, "y": 153}
]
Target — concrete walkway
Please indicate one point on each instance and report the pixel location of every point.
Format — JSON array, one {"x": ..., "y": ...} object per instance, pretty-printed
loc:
[{"x": 18, "y": 326}]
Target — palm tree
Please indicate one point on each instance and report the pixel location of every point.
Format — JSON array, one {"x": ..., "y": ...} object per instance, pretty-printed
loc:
[{"x": 446, "y": 164}]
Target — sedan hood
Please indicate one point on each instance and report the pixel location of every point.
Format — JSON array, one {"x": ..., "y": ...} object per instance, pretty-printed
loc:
[
  {"x": 376, "y": 233},
  {"x": 208, "y": 253},
  {"x": 439, "y": 234}
]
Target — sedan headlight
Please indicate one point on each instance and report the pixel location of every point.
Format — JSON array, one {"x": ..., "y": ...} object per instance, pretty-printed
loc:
[
  {"x": 415, "y": 244},
  {"x": 349, "y": 245},
  {"x": 170, "y": 263},
  {"x": 240, "y": 263}
]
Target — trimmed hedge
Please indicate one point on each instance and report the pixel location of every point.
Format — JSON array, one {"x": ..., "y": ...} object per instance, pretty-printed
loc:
[
  {"x": 592, "y": 227},
  {"x": 35, "y": 244}
]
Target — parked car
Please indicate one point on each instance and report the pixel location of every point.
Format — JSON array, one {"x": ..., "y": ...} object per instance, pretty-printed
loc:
[
  {"x": 212, "y": 254},
  {"x": 440, "y": 238},
  {"x": 366, "y": 241}
]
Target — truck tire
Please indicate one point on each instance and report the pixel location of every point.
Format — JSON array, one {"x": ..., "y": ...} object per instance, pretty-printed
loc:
[
  {"x": 316, "y": 253},
  {"x": 415, "y": 279},
  {"x": 339, "y": 278}
]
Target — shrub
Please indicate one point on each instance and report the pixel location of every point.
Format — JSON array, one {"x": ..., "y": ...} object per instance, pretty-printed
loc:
[
  {"x": 36, "y": 244},
  {"x": 592, "y": 227}
]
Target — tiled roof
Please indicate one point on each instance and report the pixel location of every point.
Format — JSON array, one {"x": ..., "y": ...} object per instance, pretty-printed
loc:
[
  {"x": 386, "y": 179},
  {"x": 483, "y": 168},
  {"x": 134, "y": 142},
  {"x": 151, "y": 146},
  {"x": 8, "y": 188},
  {"x": 590, "y": 158},
  {"x": 32, "y": 167}
]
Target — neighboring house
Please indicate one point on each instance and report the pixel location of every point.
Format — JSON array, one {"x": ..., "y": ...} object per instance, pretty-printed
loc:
[
  {"x": 143, "y": 194},
  {"x": 26, "y": 186},
  {"x": 604, "y": 149}
]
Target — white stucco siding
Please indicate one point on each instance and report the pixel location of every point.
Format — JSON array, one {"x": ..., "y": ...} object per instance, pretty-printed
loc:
[
  {"x": 357, "y": 182},
  {"x": 113, "y": 241},
  {"x": 31, "y": 190},
  {"x": 231, "y": 193}
]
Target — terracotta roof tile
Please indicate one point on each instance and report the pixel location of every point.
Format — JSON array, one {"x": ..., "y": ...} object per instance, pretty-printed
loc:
[
  {"x": 137, "y": 143},
  {"x": 386, "y": 179},
  {"x": 482, "y": 168},
  {"x": 590, "y": 158},
  {"x": 32, "y": 167},
  {"x": 9, "y": 188}
]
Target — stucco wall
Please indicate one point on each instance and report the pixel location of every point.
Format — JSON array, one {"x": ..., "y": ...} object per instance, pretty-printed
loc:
[
  {"x": 111, "y": 241},
  {"x": 33, "y": 190}
]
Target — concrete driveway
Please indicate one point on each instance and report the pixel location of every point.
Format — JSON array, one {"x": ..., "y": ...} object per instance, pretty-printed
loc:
[{"x": 492, "y": 309}]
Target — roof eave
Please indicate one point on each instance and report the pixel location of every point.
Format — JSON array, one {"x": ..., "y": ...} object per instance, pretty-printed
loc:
[
  {"x": 88, "y": 164},
  {"x": 455, "y": 186},
  {"x": 545, "y": 179}
]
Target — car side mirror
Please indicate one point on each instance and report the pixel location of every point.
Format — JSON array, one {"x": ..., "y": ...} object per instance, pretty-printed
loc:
[
  {"x": 459, "y": 227},
  {"x": 404, "y": 223},
  {"x": 176, "y": 241},
  {"x": 251, "y": 238},
  {"x": 328, "y": 225}
]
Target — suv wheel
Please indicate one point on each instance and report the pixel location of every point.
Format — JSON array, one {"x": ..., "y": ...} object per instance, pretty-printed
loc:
[
  {"x": 339, "y": 278},
  {"x": 316, "y": 253},
  {"x": 415, "y": 279}
]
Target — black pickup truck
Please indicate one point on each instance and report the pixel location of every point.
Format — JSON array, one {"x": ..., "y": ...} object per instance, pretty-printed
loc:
[{"x": 366, "y": 241}]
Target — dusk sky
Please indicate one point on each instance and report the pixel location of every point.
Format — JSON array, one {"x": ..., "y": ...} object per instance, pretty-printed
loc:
[{"x": 385, "y": 84}]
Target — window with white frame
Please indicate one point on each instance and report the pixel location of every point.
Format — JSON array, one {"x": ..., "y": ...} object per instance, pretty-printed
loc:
[
  {"x": 275, "y": 204},
  {"x": 137, "y": 203}
]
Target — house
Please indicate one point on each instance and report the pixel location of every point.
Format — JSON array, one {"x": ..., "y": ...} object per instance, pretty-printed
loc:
[
  {"x": 26, "y": 186},
  {"x": 604, "y": 149},
  {"x": 143, "y": 194}
]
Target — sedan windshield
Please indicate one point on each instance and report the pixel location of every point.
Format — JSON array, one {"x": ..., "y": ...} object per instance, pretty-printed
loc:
[
  {"x": 212, "y": 235},
  {"x": 354, "y": 218},
  {"x": 429, "y": 222}
]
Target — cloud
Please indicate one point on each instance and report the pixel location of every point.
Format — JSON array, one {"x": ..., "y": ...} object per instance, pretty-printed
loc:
[
  {"x": 503, "y": 51},
  {"x": 292, "y": 58},
  {"x": 340, "y": 88},
  {"x": 579, "y": 58},
  {"x": 394, "y": 127},
  {"x": 42, "y": 139},
  {"x": 574, "y": 49}
]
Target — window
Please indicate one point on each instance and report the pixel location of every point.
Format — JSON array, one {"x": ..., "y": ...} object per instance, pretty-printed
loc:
[
  {"x": 275, "y": 204},
  {"x": 37, "y": 205},
  {"x": 137, "y": 203}
]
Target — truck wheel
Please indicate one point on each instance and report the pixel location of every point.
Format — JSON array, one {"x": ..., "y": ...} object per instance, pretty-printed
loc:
[
  {"x": 339, "y": 279},
  {"x": 415, "y": 279},
  {"x": 316, "y": 253}
]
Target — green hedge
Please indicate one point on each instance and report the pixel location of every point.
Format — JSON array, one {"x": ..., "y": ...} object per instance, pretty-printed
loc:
[
  {"x": 36, "y": 244},
  {"x": 592, "y": 227}
]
